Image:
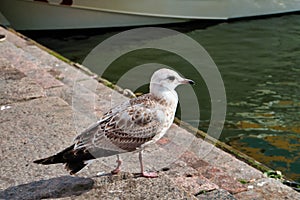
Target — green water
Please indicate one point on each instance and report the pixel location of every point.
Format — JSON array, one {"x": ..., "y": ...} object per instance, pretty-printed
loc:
[{"x": 259, "y": 61}]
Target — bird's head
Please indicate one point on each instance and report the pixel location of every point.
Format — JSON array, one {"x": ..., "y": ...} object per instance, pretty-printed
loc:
[{"x": 166, "y": 79}]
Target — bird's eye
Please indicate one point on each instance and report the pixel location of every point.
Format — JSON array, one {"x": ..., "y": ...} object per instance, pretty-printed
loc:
[{"x": 171, "y": 78}]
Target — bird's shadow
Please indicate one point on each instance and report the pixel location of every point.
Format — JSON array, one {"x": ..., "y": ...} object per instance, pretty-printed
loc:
[{"x": 58, "y": 187}]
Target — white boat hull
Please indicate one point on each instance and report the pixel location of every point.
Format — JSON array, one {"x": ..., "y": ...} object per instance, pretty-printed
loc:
[
  {"x": 36, "y": 15},
  {"x": 41, "y": 16}
]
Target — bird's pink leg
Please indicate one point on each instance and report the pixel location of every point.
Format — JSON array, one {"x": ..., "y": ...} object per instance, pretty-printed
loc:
[
  {"x": 117, "y": 169},
  {"x": 146, "y": 174}
]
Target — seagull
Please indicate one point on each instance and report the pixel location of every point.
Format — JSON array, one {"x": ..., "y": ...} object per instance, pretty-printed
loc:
[{"x": 128, "y": 127}]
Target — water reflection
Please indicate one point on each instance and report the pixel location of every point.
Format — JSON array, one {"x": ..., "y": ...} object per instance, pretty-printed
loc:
[{"x": 280, "y": 150}]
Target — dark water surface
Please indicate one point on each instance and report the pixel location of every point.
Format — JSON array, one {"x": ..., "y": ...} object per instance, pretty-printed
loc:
[{"x": 259, "y": 61}]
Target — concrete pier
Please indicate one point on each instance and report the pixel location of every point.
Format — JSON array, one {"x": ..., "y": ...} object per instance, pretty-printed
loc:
[{"x": 45, "y": 102}]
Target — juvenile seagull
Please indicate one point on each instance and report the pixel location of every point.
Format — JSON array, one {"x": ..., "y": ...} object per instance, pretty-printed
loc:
[{"x": 128, "y": 127}]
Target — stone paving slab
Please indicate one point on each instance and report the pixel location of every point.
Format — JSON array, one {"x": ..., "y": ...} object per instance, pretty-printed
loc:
[
  {"x": 219, "y": 194},
  {"x": 18, "y": 40},
  {"x": 23, "y": 62},
  {"x": 267, "y": 188},
  {"x": 136, "y": 188},
  {"x": 15, "y": 86},
  {"x": 31, "y": 128},
  {"x": 224, "y": 161}
]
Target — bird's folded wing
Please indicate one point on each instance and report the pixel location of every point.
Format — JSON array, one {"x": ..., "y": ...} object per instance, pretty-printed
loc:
[{"x": 123, "y": 130}]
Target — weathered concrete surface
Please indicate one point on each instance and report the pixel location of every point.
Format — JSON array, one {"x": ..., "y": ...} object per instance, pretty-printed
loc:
[
  {"x": 267, "y": 188},
  {"x": 45, "y": 102},
  {"x": 15, "y": 86},
  {"x": 136, "y": 188},
  {"x": 29, "y": 130},
  {"x": 216, "y": 195}
]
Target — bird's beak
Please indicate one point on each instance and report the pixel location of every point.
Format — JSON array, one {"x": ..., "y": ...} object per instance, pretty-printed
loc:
[{"x": 187, "y": 81}]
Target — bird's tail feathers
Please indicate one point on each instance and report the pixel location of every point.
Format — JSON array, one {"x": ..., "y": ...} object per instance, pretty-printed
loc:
[
  {"x": 74, "y": 159},
  {"x": 57, "y": 158}
]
